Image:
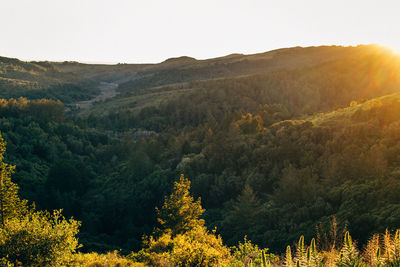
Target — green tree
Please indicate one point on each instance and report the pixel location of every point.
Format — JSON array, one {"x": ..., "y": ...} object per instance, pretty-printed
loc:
[
  {"x": 10, "y": 204},
  {"x": 29, "y": 237},
  {"x": 183, "y": 239},
  {"x": 244, "y": 216},
  {"x": 180, "y": 212}
]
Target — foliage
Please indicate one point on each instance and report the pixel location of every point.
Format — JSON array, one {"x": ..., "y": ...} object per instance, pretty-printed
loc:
[
  {"x": 41, "y": 109},
  {"x": 39, "y": 239},
  {"x": 183, "y": 240},
  {"x": 43, "y": 145},
  {"x": 101, "y": 260},
  {"x": 304, "y": 256},
  {"x": 31, "y": 237},
  {"x": 247, "y": 253},
  {"x": 349, "y": 255},
  {"x": 195, "y": 247},
  {"x": 180, "y": 212},
  {"x": 272, "y": 154},
  {"x": 330, "y": 237},
  {"x": 10, "y": 204},
  {"x": 378, "y": 252},
  {"x": 383, "y": 249}
]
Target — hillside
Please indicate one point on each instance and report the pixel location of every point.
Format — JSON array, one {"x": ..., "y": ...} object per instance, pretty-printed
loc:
[
  {"x": 311, "y": 74},
  {"x": 101, "y": 72},
  {"x": 41, "y": 80},
  {"x": 275, "y": 144},
  {"x": 356, "y": 74},
  {"x": 236, "y": 65},
  {"x": 183, "y": 69}
]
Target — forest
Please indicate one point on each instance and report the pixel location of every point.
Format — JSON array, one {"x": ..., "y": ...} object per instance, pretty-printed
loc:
[{"x": 286, "y": 158}]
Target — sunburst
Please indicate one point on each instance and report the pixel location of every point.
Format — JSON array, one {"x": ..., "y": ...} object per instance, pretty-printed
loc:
[{"x": 394, "y": 48}]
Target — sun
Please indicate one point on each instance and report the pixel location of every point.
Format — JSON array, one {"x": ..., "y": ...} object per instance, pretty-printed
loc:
[{"x": 395, "y": 48}]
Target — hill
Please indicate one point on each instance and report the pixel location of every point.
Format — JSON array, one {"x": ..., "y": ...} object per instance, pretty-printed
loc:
[
  {"x": 41, "y": 80},
  {"x": 234, "y": 65},
  {"x": 358, "y": 73},
  {"x": 296, "y": 72},
  {"x": 184, "y": 69}
]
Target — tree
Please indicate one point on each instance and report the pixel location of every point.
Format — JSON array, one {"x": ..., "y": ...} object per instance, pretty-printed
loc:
[
  {"x": 180, "y": 212},
  {"x": 244, "y": 216},
  {"x": 29, "y": 237},
  {"x": 10, "y": 204},
  {"x": 183, "y": 239}
]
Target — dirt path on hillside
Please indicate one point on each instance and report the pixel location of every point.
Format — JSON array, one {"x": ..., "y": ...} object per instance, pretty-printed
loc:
[{"x": 107, "y": 90}]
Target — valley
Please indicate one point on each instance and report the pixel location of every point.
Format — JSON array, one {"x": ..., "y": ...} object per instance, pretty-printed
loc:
[
  {"x": 107, "y": 90},
  {"x": 278, "y": 145}
]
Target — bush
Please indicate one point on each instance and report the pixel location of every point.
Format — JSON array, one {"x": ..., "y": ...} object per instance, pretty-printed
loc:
[
  {"x": 196, "y": 247},
  {"x": 39, "y": 239},
  {"x": 247, "y": 253},
  {"x": 100, "y": 260}
]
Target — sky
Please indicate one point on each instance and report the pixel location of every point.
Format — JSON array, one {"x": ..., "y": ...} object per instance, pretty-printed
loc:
[{"x": 150, "y": 31}]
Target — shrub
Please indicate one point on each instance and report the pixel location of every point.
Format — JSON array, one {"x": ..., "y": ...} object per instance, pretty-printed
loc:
[
  {"x": 39, "y": 239},
  {"x": 195, "y": 247},
  {"x": 247, "y": 253},
  {"x": 100, "y": 260}
]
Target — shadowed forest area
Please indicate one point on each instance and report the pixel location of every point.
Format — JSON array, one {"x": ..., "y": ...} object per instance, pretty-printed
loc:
[{"x": 289, "y": 157}]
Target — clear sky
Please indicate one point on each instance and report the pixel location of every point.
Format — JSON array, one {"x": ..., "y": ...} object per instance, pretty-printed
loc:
[{"x": 132, "y": 31}]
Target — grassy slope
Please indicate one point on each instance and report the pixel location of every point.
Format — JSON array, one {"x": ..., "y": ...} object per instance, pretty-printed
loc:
[
  {"x": 101, "y": 72},
  {"x": 33, "y": 75},
  {"x": 347, "y": 113}
]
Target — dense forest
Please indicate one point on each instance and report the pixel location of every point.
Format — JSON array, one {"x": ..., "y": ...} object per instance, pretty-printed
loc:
[{"x": 220, "y": 162}]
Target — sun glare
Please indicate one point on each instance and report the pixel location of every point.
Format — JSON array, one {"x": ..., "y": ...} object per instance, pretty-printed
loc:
[{"x": 394, "y": 48}]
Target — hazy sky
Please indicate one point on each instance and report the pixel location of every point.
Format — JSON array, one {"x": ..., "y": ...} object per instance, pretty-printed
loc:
[{"x": 154, "y": 30}]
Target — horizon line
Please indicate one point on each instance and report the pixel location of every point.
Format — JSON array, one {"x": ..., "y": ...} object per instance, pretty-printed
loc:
[{"x": 95, "y": 62}]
